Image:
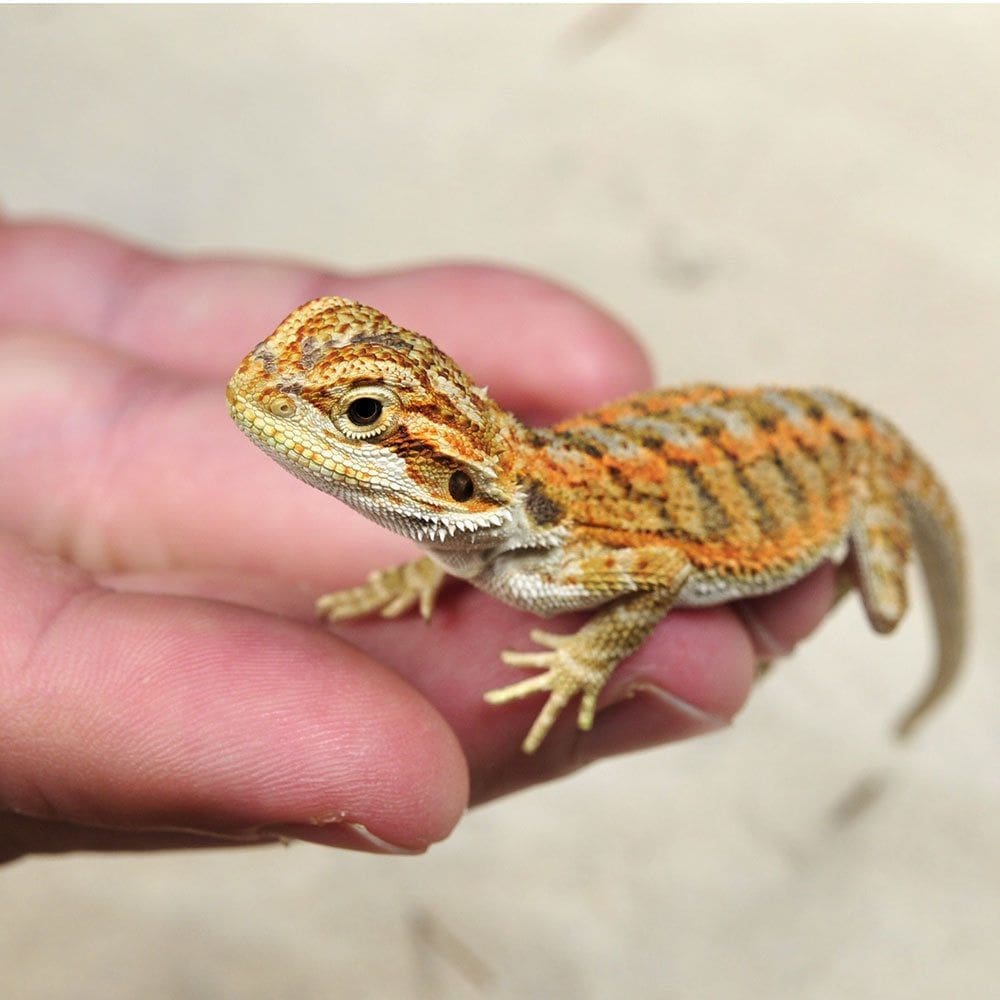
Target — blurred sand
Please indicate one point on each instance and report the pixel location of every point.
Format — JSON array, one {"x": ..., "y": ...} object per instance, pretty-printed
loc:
[{"x": 766, "y": 195}]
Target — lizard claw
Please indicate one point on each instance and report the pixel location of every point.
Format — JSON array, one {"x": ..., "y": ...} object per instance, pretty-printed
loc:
[
  {"x": 391, "y": 592},
  {"x": 565, "y": 675}
]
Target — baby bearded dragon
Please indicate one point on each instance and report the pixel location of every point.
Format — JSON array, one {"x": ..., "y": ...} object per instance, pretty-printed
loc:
[{"x": 675, "y": 498}]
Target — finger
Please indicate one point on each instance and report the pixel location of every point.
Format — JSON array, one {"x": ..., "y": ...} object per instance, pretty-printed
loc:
[
  {"x": 690, "y": 677},
  {"x": 22, "y": 835},
  {"x": 114, "y": 466},
  {"x": 699, "y": 659},
  {"x": 777, "y": 622},
  {"x": 200, "y": 316},
  {"x": 141, "y": 713}
]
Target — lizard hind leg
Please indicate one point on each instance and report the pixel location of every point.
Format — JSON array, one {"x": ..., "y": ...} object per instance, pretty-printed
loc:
[
  {"x": 881, "y": 545},
  {"x": 896, "y": 514},
  {"x": 880, "y": 549}
]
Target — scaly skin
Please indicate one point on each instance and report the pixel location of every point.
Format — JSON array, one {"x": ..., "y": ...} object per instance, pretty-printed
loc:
[{"x": 684, "y": 497}]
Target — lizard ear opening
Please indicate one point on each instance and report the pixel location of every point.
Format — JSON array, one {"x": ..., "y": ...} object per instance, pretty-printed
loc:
[
  {"x": 460, "y": 486},
  {"x": 281, "y": 405}
]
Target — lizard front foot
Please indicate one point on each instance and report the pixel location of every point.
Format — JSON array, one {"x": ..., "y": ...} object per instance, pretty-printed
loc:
[
  {"x": 391, "y": 592},
  {"x": 569, "y": 670}
]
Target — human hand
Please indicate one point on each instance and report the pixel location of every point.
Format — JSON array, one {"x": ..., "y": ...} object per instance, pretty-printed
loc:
[{"x": 162, "y": 680}]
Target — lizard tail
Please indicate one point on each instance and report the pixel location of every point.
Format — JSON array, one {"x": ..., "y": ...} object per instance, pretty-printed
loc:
[{"x": 938, "y": 540}]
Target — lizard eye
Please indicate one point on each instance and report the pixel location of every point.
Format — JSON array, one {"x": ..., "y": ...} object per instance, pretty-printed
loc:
[
  {"x": 281, "y": 406},
  {"x": 460, "y": 486},
  {"x": 364, "y": 411}
]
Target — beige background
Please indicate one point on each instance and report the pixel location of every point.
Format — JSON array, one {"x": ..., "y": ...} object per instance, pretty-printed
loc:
[{"x": 766, "y": 194}]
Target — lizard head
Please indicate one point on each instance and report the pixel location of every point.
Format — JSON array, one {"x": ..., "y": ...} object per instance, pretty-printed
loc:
[{"x": 379, "y": 417}]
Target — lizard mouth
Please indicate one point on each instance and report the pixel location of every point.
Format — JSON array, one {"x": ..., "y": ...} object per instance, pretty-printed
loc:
[{"x": 437, "y": 530}]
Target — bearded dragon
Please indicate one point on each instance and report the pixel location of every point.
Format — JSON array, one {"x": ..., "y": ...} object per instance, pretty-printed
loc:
[{"x": 674, "y": 498}]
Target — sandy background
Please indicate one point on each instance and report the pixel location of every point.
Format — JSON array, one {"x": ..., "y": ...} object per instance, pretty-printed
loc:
[{"x": 765, "y": 194}]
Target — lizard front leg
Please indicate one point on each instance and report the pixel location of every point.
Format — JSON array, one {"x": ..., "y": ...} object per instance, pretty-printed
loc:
[
  {"x": 583, "y": 662},
  {"x": 390, "y": 591}
]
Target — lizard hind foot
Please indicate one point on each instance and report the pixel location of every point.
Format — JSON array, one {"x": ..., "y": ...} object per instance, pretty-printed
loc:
[{"x": 566, "y": 674}]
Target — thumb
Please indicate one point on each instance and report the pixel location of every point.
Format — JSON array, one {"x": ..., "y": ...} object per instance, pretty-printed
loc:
[{"x": 144, "y": 712}]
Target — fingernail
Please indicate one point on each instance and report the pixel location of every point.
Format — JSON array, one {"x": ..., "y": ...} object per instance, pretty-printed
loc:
[
  {"x": 706, "y": 719},
  {"x": 338, "y": 832},
  {"x": 764, "y": 641}
]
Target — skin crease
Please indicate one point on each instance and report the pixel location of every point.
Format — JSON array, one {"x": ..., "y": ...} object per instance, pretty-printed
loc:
[{"x": 162, "y": 681}]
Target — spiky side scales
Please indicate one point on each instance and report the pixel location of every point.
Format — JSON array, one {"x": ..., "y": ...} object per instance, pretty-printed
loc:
[{"x": 685, "y": 497}]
